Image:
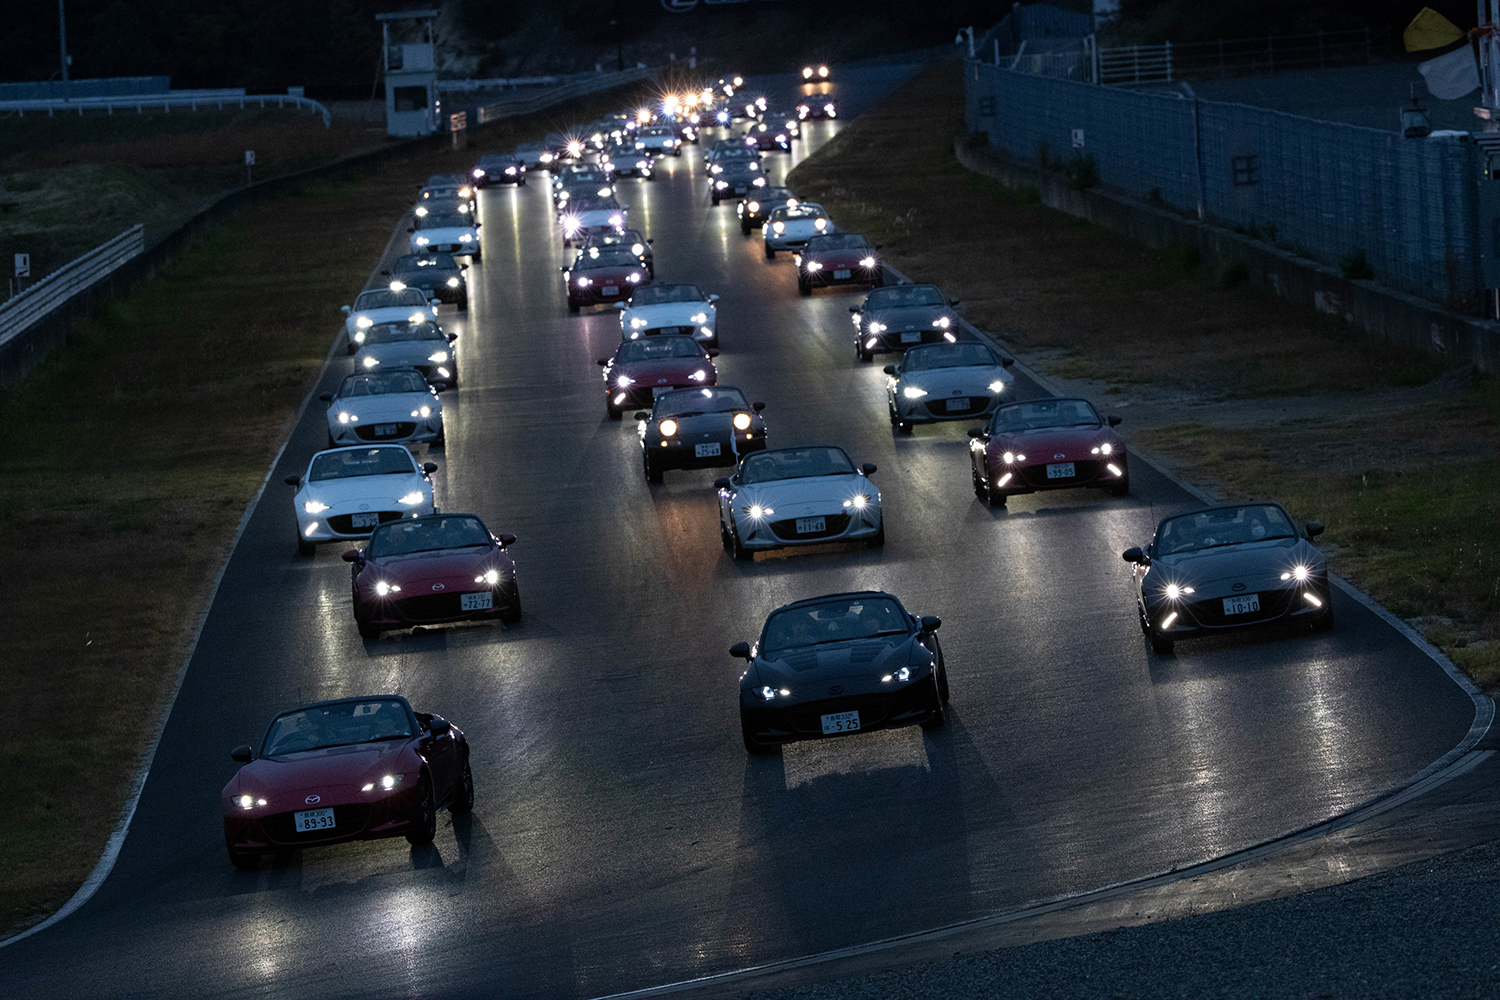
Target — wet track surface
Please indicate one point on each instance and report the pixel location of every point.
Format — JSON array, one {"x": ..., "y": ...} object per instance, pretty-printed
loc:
[{"x": 621, "y": 836}]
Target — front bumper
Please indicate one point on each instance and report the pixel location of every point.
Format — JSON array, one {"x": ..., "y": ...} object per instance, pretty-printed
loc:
[
  {"x": 412, "y": 430},
  {"x": 1033, "y": 478},
  {"x": 438, "y": 609},
  {"x": 388, "y": 815},
  {"x": 825, "y": 277},
  {"x": 775, "y": 532},
  {"x": 909, "y": 704},
  {"x": 469, "y": 249},
  {"x": 1206, "y": 616},
  {"x": 679, "y": 453},
  {"x": 934, "y": 409},
  {"x": 594, "y": 294},
  {"x": 336, "y": 523}
]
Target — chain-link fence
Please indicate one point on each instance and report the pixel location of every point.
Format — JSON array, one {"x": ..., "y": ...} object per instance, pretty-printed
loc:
[{"x": 1321, "y": 189}]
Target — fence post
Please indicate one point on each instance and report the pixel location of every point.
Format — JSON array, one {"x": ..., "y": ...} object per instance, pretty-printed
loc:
[
  {"x": 1168, "y": 50},
  {"x": 1135, "y": 63}
]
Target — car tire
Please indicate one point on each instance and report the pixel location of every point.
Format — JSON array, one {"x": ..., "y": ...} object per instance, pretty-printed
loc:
[
  {"x": 1120, "y": 489},
  {"x": 754, "y": 746},
  {"x": 1161, "y": 645},
  {"x": 879, "y": 280},
  {"x": 897, "y": 424},
  {"x": 573, "y": 305},
  {"x": 804, "y": 287},
  {"x": 305, "y": 548},
  {"x": 715, "y": 197},
  {"x": 441, "y": 441},
  {"x": 463, "y": 303},
  {"x": 740, "y": 553},
  {"x": 426, "y": 817},
  {"x": 512, "y": 614},
  {"x": 996, "y": 498},
  {"x": 724, "y": 538},
  {"x": 652, "y": 470},
  {"x": 935, "y": 721},
  {"x": 745, "y": 229},
  {"x": 770, "y": 253},
  {"x": 877, "y": 542},
  {"x": 978, "y": 481},
  {"x": 352, "y": 346},
  {"x": 463, "y": 790},
  {"x": 942, "y": 674},
  {"x": 367, "y": 628},
  {"x": 1140, "y": 615},
  {"x": 244, "y": 860},
  {"x": 614, "y": 414},
  {"x": 1324, "y": 621}
]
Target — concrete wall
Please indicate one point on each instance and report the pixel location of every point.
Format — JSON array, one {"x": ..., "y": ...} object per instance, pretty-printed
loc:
[{"x": 1393, "y": 316}]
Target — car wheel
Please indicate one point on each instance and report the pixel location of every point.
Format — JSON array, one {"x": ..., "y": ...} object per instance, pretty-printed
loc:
[
  {"x": 753, "y": 745},
  {"x": 770, "y": 254},
  {"x": 724, "y": 538},
  {"x": 367, "y": 628},
  {"x": 331, "y": 442},
  {"x": 305, "y": 548},
  {"x": 243, "y": 860},
  {"x": 936, "y": 719},
  {"x": 942, "y": 675},
  {"x": 1161, "y": 645},
  {"x": 521, "y": 182},
  {"x": 879, "y": 540},
  {"x": 1120, "y": 489},
  {"x": 995, "y": 497},
  {"x": 463, "y": 303},
  {"x": 1324, "y": 621},
  {"x": 572, "y": 304},
  {"x": 979, "y": 490},
  {"x": 897, "y": 424},
  {"x": 1140, "y": 615},
  {"x": 463, "y": 790},
  {"x": 715, "y": 197},
  {"x": 441, "y": 441},
  {"x": 353, "y": 347},
  {"x": 653, "y": 472},
  {"x": 426, "y": 817},
  {"x": 740, "y": 553},
  {"x": 745, "y": 229},
  {"x": 614, "y": 414},
  {"x": 512, "y": 614},
  {"x": 879, "y": 280},
  {"x": 803, "y": 286}
]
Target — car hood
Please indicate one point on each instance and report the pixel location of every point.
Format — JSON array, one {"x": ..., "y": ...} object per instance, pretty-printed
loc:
[
  {"x": 614, "y": 275},
  {"x": 1254, "y": 565},
  {"x": 943, "y": 381},
  {"x": 805, "y": 227},
  {"x": 454, "y": 567},
  {"x": 407, "y": 352},
  {"x": 859, "y": 665},
  {"x": 390, "y": 314},
  {"x": 909, "y": 317},
  {"x": 666, "y": 371},
  {"x": 429, "y": 278},
  {"x": 1057, "y": 444},
  {"x": 375, "y": 489},
  {"x": 788, "y": 496},
  {"x": 666, "y": 314},
  {"x": 386, "y": 406},
  {"x": 843, "y": 257},
  {"x": 285, "y": 781}
]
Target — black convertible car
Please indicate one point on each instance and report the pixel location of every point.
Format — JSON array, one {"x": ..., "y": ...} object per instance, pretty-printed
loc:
[
  {"x": 437, "y": 274},
  {"x": 699, "y": 428},
  {"x": 840, "y": 664}
]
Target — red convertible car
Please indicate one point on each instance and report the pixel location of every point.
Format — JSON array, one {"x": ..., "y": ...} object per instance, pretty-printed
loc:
[
  {"x": 433, "y": 569},
  {"x": 838, "y": 259},
  {"x": 604, "y": 274},
  {"x": 1047, "y": 444},
  {"x": 352, "y": 769},
  {"x": 643, "y": 369}
]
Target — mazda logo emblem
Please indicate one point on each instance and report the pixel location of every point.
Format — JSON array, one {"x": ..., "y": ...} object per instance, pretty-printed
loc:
[
  {"x": 313, "y": 800},
  {"x": 1061, "y": 454},
  {"x": 836, "y": 689},
  {"x": 437, "y": 586},
  {"x": 1238, "y": 587}
]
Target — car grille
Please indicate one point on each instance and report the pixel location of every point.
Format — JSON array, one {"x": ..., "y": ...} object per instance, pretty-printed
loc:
[
  {"x": 350, "y": 819},
  {"x": 834, "y": 524},
  {"x": 429, "y": 607},
  {"x": 344, "y": 523},
  {"x": 1083, "y": 472},
  {"x": 686, "y": 331},
  {"x": 1210, "y": 613},
  {"x": 872, "y": 708},
  {"x": 372, "y": 432},
  {"x": 944, "y": 406}
]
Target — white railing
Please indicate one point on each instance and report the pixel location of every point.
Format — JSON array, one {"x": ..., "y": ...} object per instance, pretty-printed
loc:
[
  {"x": 192, "y": 100},
  {"x": 538, "y": 99},
  {"x": 20, "y": 312}
]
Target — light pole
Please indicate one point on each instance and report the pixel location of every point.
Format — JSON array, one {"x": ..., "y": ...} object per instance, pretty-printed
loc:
[{"x": 62, "y": 37}]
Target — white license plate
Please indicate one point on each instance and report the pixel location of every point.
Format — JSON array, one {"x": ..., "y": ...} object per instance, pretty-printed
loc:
[
  {"x": 840, "y": 722},
  {"x": 808, "y": 525},
  {"x": 912, "y": 337},
  {"x": 840, "y": 274},
  {"x": 1060, "y": 470},
  {"x": 364, "y": 520},
  {"x": 1241, "y": 605},
  {"x": 384, "y": 430},
  {"x": 610, "y": 290},
  {"x": 313, "y": 820},
  {"x": 476, "y": 602},
  {"x": 706, "y": 450},
  {"x": 958, "y": 405}
]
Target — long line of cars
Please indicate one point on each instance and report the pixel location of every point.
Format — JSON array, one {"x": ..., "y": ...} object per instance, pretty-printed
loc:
[{"x": 821, "y": 667}]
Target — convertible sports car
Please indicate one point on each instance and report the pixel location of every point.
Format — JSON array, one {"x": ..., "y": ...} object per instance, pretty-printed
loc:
[
  {"x": 603, "y": 274},
  {"x": 895, "y": 318},
  {"x": 588, "y": 216},
  {"x": 765, "y": 137},
  {"x": 437, "y": 275},
  {"x": 945, "y": 382},
  {"x": 1225, "y": 568},
  {"x": 622, "y": 158},
  {"x": 736, "y": 178},
  {"x": 639, "y": 245},
  {"x": 725, "y": 152},
  {"x": 385, "y": 305},
  {"x": 434, "y": 569},
  {"x": 422, "y": 346},
  {"x": 442, "y": 188},
  {"x": 352, "y": 769},
  {"x": 791, "y": 226},
  {"x": 843, "y": 663},
  {"x": 838, "y": 259},
  {"x": 443, "y": 232},
  {"x": 349, "y": 492},
  {"x": 820, "y": 106},
  {"x": 641, "y": 370},
  {"x": 696, "y": 428},
  {"x": 798, "y": 496},
  {"x": 658, "y": 140},
  {"x": 1047, "y": 444},
  {"x": 755, "y": 209},
  {"x": 386, "y": 405},
  {"x": 671, "y": 309},
  {"x": 499, "y": 168},
  {"x": 808, "y": 73}
]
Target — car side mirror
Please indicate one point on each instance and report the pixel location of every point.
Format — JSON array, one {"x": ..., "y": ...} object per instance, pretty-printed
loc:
[
  {"x": 978, "y": 433},
  {"x": 641, "y": 415},
  {"x": 854, "y": 310},
  {"x": 243, "y": 754},
  {"x": 1114, "y": 419},
  {"x": 712, "y": 352},
  {"x": 878, "y": 246},
  {"x": 385, "y": 272},
  {"x": 451, "y": 337},
  {"x": 346, "y": 310},
  {"x": 651, "y": 239},
  {"x": 757, "y": 407},
  {"x": 506, "y": 538},
  {"x": 438, "y": 726},
  {"x": 410, "y": 229},
  {"x": 1135, "y": 555},
  {"x": 621, "y": 306},
  {"x": 889, "y": 369},
  {"x": 869, "y": 468},
  {"x": 955, "y": 302},
  {"x": 563, "y": 270},
  {"x": 713, "y": 298},
  {"x": 723, "y": 483},
  {"x": 740, "y": 650},
  {"x": 429, "y": 467},
  {"x": 603, "y": 362},
  {"x": 1314, "y": 529},
  {"x": 931, "y": 623},
  {"x": 293, "y": 480},
  {"x": 1007, "y": 362},
  {"x": 350, "y": 555},
  {"x": 326, "y": 397}
]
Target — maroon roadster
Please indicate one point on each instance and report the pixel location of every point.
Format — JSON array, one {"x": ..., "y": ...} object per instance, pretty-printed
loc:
[
  {"x": 643, "y": 369},
  {"x": 1047, "y": 444}
]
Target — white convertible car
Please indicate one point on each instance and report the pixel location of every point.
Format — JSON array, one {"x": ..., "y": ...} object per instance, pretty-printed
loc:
[
  {"x": 384, "y": 404},
  {"x": 423, "y": 346},
  {"x": 349, "y": 492},
  {"x": 453, "y": 233},
  {"x": 671, "y": 309},
  {"x": 385, "y": 305},
  {"x": 946, "y": 382},
  {"x": 587, "y": 217},
  {"x": 798, "y": 496},
  {"x": 791, "y": 226}
]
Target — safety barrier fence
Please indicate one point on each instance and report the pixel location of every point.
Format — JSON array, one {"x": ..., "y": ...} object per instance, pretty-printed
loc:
[{"x": 189, "y": 100}]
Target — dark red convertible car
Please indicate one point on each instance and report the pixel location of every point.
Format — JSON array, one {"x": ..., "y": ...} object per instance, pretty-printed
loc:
[
  {"x": 1047, "y": 444},
  {"x": 604, "y": 274},
  {"x": 351, "y": 769},
  {"x": 838, "y": 259},
  {"x": 643, "y": 369},
  {"x": 433, "y": 569}
]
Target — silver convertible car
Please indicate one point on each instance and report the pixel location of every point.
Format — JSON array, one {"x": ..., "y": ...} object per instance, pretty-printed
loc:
[
  {"x": 798, "y": 496},
  {"x": 1221, "y": 569}
]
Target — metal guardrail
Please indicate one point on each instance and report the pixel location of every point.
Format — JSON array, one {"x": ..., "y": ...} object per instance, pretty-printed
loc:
[
  {"x": 536, "y": 100},
  {"x": 20, "y": 312},
  {"x": 165, "y": 102}
]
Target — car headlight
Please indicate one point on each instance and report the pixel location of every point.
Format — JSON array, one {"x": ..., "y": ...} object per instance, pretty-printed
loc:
[
  {"x": 344, "y": 418},
  {"x": 545, "y": 157},
  {"x": 698, "y": 318},
  {"x": 1012, "y": 457},
  {"x": 477, "y": 173},
  {"x": 453, "y": 282},
  {"x": 877, "y": 327},
  {"x": 814, "y": 265},
  {"x": 412, "y": 499},
  {"x": 1172, "y": 591},
  {"x": 997, "y": 386},
  {"x": 699, "y": 375},
  {"x": 624, "y": 381},
  {"x": 383, "y": 589},
  {"x": 490, "y": 577},
  {"x": 422, "y": 241},
  {"x": 1109, "y": 449},
  {"x": 867, "y": 262},
  {"x": 668, "y": 428},
  {"x": 438, "y": 356},
  {"x": 769, "y": 693},
  {"x": 903, "y": 675},
  {"x": 422, "y": 411},
  {"x": 637, "y": 248},
  {"x": 584, "y": 282},
  {"x": 385, "y": 784},
  {"x": 820, "y": 224},
  {"x": 315, "y": 507},
  {"x": 466, "y": 238},
  {"x": 753, "y": 207},
  {"x": 364, "y": 323},
  {"x": 1298, "y": 573},
  {"x": 637, "y": 323},
  {"x": 913, "y": 392},
  {"x": 778, "y": 227},
  {"x": 510, "y": 170},
  {"x": 759, "y": 182},
  {"x": 859, "y": 501},
  {"x": 742, "y": 421},
  {"x": 248, "y": 801},
  {"x": 757, "y": 512},
  {"x": 721, "y": 185},
  {"x": 371, "y": 362}
]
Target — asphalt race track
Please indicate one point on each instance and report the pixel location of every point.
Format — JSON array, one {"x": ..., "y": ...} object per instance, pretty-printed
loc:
[{"x": 622, "y": 837}]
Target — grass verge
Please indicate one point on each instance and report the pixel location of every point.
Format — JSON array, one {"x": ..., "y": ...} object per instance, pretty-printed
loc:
[
  {"x": 1411, "y": 497},
  {"x": 126, "y": 461}
]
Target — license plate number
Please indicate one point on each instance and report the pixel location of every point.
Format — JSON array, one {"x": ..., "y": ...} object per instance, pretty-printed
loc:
[
  {"x": 840, "y": 722},
  {"x": 840, "y": 273},
  {"x": 808, "y": 525},
  {"x": 1060, "y": 470},
  {"x": 958, "y": 405},
  {"x": 476, "y": 602},
  {"x": 912, "y": 337},
  {"x": 611, "y": 290},
  {"x": 384, "y": 430},
  {"x": 364, "y": 520},
  {"x": 313, "y": 820},
  {"x": 706, "y": 450},
  {"x": 1241, "y": 605}
]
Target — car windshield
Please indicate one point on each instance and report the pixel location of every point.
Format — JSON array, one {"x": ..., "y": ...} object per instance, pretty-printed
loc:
[
  {"x": 426, "y": 534},
  {"x": 900, "y": 296},
  {"x": 384, "y": 298},
  {"x": 415, "y": 262},
  {"x": 929, "y": 356},
  {"x": 738, "y": 153},
  {"x": 694, "y": 402},
  {"x": 1207, "y": 529},
  {"x": 491, "y": 160},
  {"x": 792, "y": 213},
  {"x": 656, "y": 295},
  {"x": 434, "y": 220},
  {"x": 659, "y": 347},
  {"x": 794, "y": 463},
  {"x": 344, "y": 724},
  {"x": 596, "y": 205},
  {"x": 1038, "y": 414},
  {"x": 774, "y": 194},
  {"x": 351, "y": 463},
  {"x": 630, "y": 238},
  {"x": 837, "y": 241},
  {"x": 380, "y": 383},
  {"x": 842, "y": 620},
  {"x": 609, "y": 257},
  {"x": 400, "y": 333}
]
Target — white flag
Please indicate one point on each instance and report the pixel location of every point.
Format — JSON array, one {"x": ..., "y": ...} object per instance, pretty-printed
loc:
[{"x": 1451, "y": 76}]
